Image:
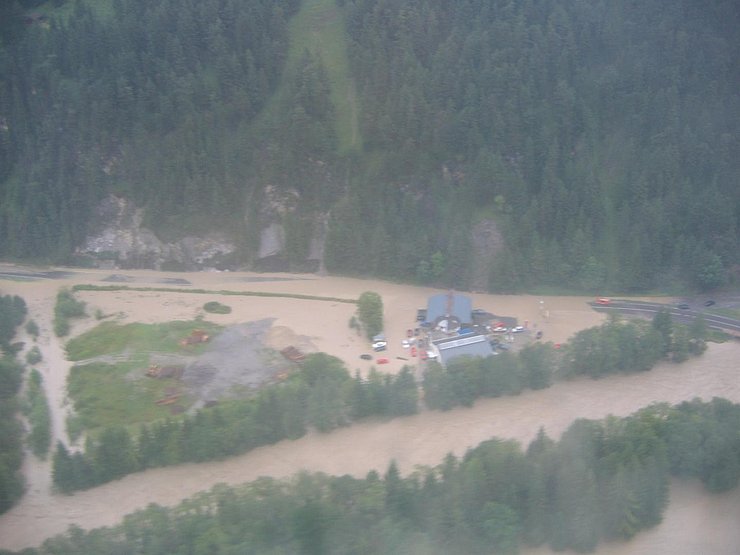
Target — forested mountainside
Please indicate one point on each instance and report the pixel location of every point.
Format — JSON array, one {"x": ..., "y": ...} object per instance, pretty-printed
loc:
[{"x": 595, "y": 143}]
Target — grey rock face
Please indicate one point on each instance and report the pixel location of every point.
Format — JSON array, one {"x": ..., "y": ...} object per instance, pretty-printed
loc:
[{"x": 118, "y": 239}]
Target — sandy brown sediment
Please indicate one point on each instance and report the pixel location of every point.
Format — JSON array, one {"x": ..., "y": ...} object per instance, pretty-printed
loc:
[{"x": 423, "y": 439}]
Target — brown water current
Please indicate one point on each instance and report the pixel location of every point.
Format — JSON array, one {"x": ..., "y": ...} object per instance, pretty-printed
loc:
[
  {"x": 695, "y": 522},
  {"x": 424, "y": 439}
]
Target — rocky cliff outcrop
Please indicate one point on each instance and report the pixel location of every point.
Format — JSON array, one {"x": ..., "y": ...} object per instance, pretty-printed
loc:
[{"x": 118, "y": 239}]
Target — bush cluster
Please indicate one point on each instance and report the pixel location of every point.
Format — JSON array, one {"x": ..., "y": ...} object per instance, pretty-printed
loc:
[
  {"x": 67, "y": 307},
  {"x": 39, "y": 439},
  {"x": 214, "y": 307}
]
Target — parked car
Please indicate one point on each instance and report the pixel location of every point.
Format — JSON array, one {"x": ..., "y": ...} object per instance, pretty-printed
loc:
[
  {"x": 380, "y": 346},
  {"x": 603, "y": 300},
  {"x": 405, "y": 343},
  {"x": 683, "y": 306},
  {"x": 413, "y": 351},
  {"x": 382, "y": 361},
  {"x": 366, "y": 357},
  {"x": 517, "y": 329},
  {"x": 499, "y": 329},
  {"x": 710, "y": 302}
]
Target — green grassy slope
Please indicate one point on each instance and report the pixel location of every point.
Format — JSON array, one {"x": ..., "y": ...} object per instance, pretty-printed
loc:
[{"x": 318, "y": 28}]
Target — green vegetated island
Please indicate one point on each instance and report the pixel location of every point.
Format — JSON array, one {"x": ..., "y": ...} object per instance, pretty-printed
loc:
[{"x": 489, "y": 144}]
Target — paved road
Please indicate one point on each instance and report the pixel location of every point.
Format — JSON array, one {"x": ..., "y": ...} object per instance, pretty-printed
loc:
[
  {"x": 23, "y": 275},
  {"x": 714, "y": 321}
]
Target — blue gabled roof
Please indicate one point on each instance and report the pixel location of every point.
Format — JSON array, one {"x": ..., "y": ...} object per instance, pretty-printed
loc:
[{"x": 449, "y": 304}]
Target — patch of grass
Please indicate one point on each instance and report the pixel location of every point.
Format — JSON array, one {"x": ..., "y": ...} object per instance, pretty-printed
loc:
[
  {"x": 90, "y": 287},
  {"x": 117, "y": 394},
  {"x": 727, "y": 312},
  {"x": 716, "y": 336},
  {"x": 75, "y": 427},
  {"x": 319, "y": 28},
  {"x": 111, "y": 338},
  {"x": 214, "y": 307}
]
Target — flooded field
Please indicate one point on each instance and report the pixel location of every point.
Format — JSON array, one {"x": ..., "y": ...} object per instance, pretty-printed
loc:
[{"x": 695, "y": 521}]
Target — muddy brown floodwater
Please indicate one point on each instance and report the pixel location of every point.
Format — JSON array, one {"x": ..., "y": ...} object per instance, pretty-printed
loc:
[{"x": 695, "y": 521}]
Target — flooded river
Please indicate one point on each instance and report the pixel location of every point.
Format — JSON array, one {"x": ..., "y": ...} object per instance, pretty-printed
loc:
[
  {"x": 695, "y": 522},
  {"x": 694, "y": 518}
]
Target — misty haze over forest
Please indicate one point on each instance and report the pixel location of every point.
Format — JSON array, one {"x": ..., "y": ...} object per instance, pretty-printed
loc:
[
  {"x": 503, "y": 145},
  {"x": 488, "y": 146}
]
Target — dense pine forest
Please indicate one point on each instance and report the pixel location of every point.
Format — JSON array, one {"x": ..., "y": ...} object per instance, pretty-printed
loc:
[{"x": 483, "y": 144}]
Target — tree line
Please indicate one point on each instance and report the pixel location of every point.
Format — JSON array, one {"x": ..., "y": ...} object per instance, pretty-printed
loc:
[
  {"x": 603, "y": 480},
  {"x": 322, "y": 395},
  {"x": 614, "y": 347},
  {"x": 12, "y": 314}
]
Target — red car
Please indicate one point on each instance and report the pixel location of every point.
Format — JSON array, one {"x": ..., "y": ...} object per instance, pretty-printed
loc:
[
  {"x": 603, "y": 300},
  {"x": 382, "y": 361},
  {"x": 413, "y": 351}
]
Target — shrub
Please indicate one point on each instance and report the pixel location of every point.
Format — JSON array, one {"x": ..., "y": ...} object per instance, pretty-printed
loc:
[
  {"x": 33, "y": 356},
  {"x": 215, "y": 307},
  {"x": 67, "y": 307},
  {"x": 32, "y": 329},
  {"x": 38, "y": 416}
]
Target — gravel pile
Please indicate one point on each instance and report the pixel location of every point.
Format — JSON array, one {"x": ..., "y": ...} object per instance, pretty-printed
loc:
[{"x": 236, "y": 358}]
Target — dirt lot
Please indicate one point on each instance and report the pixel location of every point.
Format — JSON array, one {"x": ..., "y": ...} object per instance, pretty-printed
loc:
[{"x": 242, "y": 356}]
